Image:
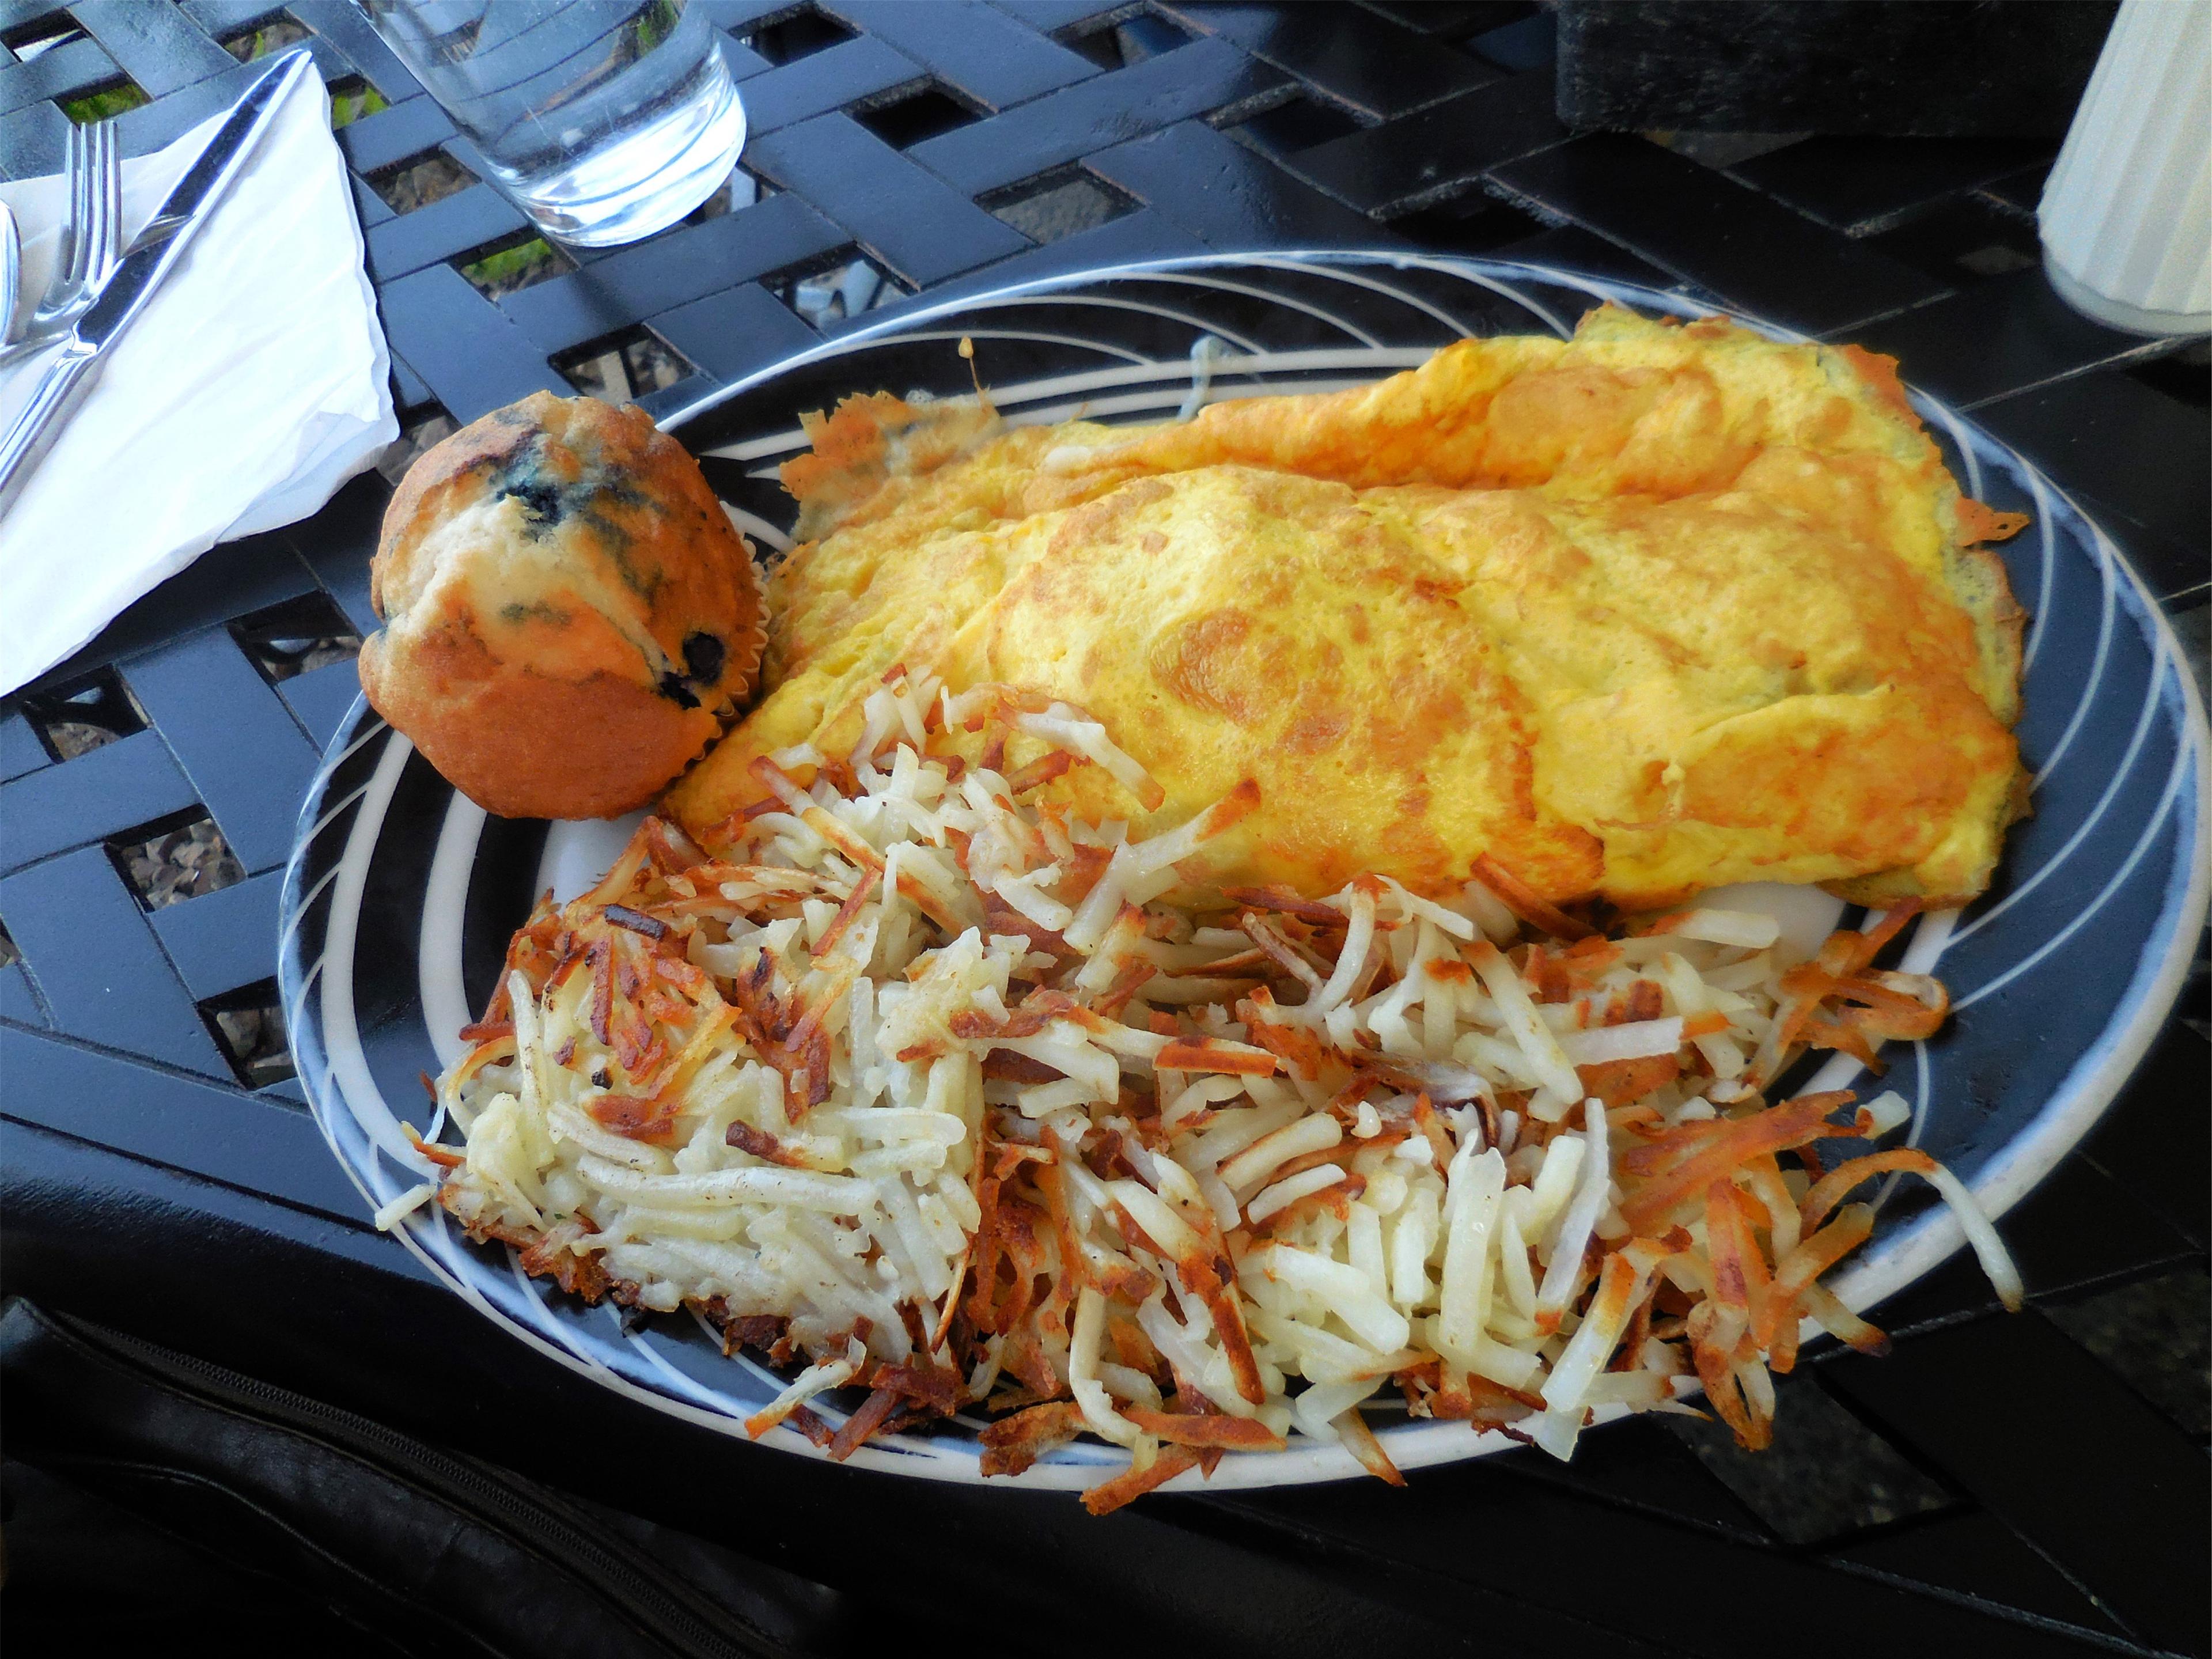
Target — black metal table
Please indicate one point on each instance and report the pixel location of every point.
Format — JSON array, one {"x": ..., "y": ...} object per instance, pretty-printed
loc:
[{"x": 2029, "y": 1484}]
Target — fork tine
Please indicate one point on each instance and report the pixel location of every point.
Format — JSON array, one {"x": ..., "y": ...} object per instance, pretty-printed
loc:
[
  {"x": 93, "y": 206},
  {"x": 78, "y": 160},
  {"x": 107, "y": 217},
  {"x": 88, "y": 236}
]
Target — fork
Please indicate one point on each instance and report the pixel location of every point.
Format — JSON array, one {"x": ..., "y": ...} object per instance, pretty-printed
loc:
[
  {"x": 12, "y": 266},
  {"x": 88, "y": 253}
]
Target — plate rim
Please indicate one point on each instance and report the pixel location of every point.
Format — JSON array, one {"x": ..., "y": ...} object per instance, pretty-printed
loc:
[{"x": 2060, "y": 1122}]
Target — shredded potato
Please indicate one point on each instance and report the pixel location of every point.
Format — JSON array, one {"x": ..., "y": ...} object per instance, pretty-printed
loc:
[{"x": 908, "y": 1078}]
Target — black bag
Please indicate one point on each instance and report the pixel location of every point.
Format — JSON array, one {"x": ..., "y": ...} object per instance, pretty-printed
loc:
[{"x": 419, "y": 1550}]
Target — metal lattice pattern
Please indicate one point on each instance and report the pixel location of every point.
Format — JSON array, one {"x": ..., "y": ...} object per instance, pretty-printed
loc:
[{"x": 148, "y": 788}]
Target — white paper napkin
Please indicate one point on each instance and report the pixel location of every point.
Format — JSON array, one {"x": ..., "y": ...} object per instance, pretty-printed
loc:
[{"x": 254, "y": 383}]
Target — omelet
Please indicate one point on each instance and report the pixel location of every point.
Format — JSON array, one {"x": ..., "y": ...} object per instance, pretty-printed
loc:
[{"x": 1650, "y": 610}]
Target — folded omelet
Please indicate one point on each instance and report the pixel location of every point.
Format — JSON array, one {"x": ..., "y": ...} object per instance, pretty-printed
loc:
[{"x": 1651, "y": 611}]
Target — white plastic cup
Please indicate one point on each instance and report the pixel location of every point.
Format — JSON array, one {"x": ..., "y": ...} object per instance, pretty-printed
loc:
[{"x": 2126, "y": 215}]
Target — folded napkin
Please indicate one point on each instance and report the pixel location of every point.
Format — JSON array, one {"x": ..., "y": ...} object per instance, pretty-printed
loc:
[{"x": 254, "y": 383}]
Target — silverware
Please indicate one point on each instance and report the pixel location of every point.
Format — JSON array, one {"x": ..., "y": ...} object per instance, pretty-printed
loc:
[
  {"x": 11, "y": 270},
  {"x": 95, "y": 206},
  {"x": 122, "y": 294},
  {"x": 88, "y": 238}
]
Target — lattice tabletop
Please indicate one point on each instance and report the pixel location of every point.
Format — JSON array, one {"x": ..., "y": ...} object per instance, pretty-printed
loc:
[{"x": 1998, "y": 1484}]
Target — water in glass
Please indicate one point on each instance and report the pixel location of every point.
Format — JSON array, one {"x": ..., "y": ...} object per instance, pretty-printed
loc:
[{"x": 605, "y": 120}]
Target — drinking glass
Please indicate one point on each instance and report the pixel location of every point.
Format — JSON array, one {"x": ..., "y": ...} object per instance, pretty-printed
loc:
[{"x": 606, "y": 120}]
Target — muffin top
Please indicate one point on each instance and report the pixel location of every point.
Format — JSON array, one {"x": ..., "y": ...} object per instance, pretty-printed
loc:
[{"x": 574, "y": 538}]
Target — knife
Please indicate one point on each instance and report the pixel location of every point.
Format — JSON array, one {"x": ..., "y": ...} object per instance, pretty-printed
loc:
[{"x": 149, "y": 258}]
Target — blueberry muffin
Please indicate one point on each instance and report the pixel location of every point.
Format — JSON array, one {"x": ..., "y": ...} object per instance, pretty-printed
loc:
[{"x": 570, "y": 620}]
